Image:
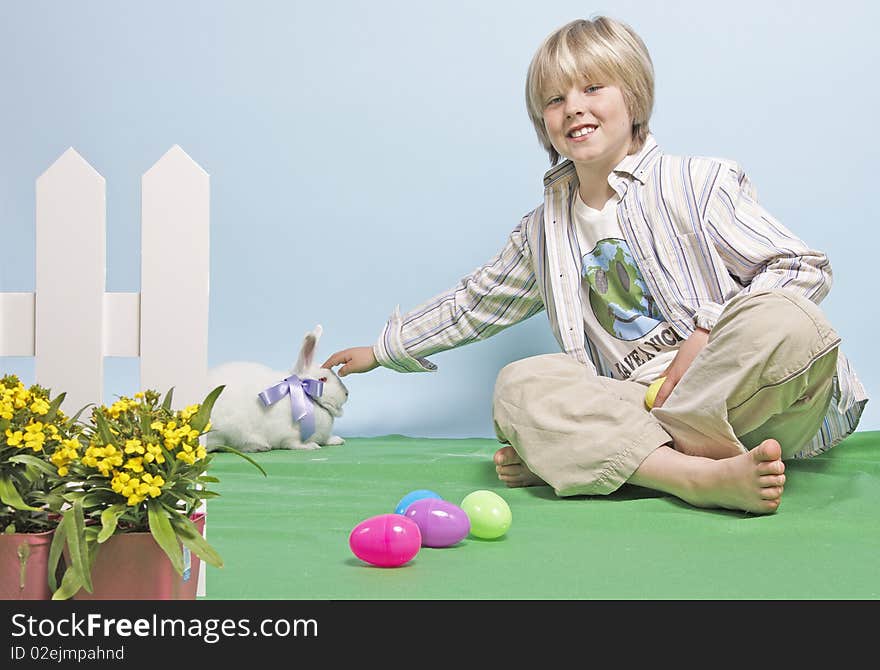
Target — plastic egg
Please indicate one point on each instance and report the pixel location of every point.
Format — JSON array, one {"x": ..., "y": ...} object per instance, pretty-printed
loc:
[
  {"x": 441, "y": 523},
  {"x": 651, "y": 393},
  {"x": 386, "y": 540},
  {"x": 411, "y": 497},
  {"x": 488, "y": 512}
]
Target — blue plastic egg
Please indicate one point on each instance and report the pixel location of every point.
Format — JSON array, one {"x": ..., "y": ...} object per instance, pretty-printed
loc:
[{"x": 411, "y": 497}]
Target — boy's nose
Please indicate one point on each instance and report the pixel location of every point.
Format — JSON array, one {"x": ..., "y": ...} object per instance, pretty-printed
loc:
[{"x": 574, "y": 105}]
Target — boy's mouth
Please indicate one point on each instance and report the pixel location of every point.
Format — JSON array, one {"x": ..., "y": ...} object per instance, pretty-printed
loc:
[{"x": 582, "y": 130}]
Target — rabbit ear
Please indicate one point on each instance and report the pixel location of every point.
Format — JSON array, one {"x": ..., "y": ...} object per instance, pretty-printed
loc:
[{"x": 307, "y": 351}]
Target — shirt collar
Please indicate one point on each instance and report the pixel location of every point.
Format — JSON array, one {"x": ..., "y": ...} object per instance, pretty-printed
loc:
[{"x": 636, "y": 165}]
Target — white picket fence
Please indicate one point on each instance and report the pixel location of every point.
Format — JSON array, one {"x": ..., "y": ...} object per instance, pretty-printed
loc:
[{"x": 70, "y": 322}]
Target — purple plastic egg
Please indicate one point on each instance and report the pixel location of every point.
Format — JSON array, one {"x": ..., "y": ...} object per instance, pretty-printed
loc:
[
  {"x": 441, "y": 523},
  {"x": 386, "y": 540}
]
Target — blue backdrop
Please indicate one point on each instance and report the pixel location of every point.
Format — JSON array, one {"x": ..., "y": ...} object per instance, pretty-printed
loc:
[{"x": 368, "y": 154}]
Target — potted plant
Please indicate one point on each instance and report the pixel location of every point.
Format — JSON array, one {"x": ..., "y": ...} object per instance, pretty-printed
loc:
[
  {"x": 33, "y": 432},
  {"x": 131, "y": 529}
]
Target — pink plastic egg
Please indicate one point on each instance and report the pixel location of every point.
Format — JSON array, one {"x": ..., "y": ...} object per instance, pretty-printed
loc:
[
  {"x": 441, "y": 523},
  {"x": 386, "y": 540}
]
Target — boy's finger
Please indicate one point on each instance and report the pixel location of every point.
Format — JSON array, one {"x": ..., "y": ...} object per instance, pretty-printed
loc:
[{"x": 334, "y": 359}]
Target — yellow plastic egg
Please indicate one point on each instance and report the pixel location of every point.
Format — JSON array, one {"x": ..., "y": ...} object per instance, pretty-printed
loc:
[{"x": 651, "y": 395}]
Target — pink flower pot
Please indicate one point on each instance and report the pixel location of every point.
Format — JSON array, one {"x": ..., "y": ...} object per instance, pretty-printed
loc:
[
  {"x": 24, "y": 560},
  {"x": 132, "y": 566}
]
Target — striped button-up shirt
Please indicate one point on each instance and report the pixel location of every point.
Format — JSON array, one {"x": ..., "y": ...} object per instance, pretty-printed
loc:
[{"x": 697, "y": 233}]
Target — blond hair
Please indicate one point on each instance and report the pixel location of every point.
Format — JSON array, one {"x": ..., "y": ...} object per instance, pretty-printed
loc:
[{"x": 601, "y": 49}]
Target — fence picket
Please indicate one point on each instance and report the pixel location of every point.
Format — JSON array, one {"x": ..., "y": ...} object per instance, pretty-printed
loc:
[
  {"x": 175, "y": 276},
  {"x": 69, "y": 279}
]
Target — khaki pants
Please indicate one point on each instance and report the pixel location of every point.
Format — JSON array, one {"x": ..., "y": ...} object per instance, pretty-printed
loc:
[{"x": 766, "y": 372}]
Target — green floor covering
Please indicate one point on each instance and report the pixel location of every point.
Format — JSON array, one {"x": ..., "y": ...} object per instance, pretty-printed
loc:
[{"x": 286, "y": 536}]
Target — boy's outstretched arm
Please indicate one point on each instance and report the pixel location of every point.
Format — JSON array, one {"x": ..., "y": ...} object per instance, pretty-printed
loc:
[{"x": 355, "y": 359}]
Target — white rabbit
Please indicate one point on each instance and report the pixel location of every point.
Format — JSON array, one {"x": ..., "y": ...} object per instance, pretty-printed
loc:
[{"x": 240, "y": 419}]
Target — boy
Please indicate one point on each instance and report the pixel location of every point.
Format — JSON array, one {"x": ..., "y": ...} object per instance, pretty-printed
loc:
[{"x": 648, "y": 265}]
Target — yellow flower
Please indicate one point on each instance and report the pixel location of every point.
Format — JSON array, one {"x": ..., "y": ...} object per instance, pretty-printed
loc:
[
  {"x": 154, "y": 452},
  {"x": 151, "y": 486},
  {"x": 189, "y": 412},
  {"x": 34, "y": 436},
  {"x": 103, "y": 458},
  {"x": 13, "y": 439},
  {"x": 133, "y": 446},
  {"x": 39, "y": 406},
  {"x": 118, "y": 407},
  {"x": 172, "y": 439},
  {"x": 120, "y": 479},
  {"x": 186, "y": 457},
  {"x": 135, "y": 464},
  {"x": 64, "y": 454},
  {"x": 20, "y": 396}
]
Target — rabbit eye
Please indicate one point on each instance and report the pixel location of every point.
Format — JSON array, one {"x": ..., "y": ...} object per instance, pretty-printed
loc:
[{"x": 322, "y": 379}]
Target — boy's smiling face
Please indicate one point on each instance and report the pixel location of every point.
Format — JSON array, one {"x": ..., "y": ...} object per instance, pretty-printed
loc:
[{"x": 590, "y": 125}]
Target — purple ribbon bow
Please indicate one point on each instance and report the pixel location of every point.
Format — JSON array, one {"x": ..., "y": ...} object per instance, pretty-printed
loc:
[{"x": 302, "y": 392}]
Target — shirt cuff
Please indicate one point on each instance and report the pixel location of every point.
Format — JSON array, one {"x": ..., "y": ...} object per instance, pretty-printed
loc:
[
  {"x": 390, "y": 352},
  {"x": 707, "y": 315}
]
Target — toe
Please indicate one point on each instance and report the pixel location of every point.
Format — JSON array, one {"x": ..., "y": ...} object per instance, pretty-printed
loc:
[
  {"x": 768, "y": 450},
  {"x": 505, "y": 456},
  {"x": 771, "y": 492},
  {"x": 771, "y": 468},
  {"x": 771, "y": 480}
]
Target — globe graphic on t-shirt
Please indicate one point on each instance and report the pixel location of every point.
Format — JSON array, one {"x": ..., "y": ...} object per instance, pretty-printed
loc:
[{"x": 618, "y": 295}]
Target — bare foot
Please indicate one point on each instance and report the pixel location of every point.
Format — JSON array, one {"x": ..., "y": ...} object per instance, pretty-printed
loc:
[
  {"x": 512, "y": 471},
  {"x": 752, "y": 482}
]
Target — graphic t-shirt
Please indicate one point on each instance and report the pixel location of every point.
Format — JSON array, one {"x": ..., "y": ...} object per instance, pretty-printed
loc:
[{"x": 620, "y": 316}]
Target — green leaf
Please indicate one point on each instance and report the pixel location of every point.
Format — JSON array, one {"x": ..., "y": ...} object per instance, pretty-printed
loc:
[
  {"x": 9, "y": 495},
  {"x": 193, "y": 539},
  {"x": 205, "y": 494},
  {"x": 163, "y": 533},
  {"x": 201, "y": 418},
  {"x": 103, "y": 429},
  {"x": 35, "y": 462},
  {"x": 243, "y": 455},
  {"x": 77, "y": 545},
  {"x": 96, "y": 498},
  {"x": 71, "y": 582},
  {"x": 53, "y": 408},
  {"x": 55, "y": 551},
  {"x": 206, "y": 479},
  {"x": 146, "y": 420},
  {"x": 166, "y": 404},
  {"x": 82, "y": 409},
  {"x": 109, "y": 519}
]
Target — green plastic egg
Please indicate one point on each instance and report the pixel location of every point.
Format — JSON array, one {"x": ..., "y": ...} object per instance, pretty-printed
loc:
[{"x": 488, "y": 513}]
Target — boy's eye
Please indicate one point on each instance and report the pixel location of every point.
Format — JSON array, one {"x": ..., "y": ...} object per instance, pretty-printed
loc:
[
  {"x": 554, "y": 100},
  {"x": 592, "y": 88}
]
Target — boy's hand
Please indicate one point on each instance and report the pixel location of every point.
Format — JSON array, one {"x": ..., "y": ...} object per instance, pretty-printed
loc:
[
  {"x": 356, "y": 359},
  {"x": 687, "y": 352}
]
